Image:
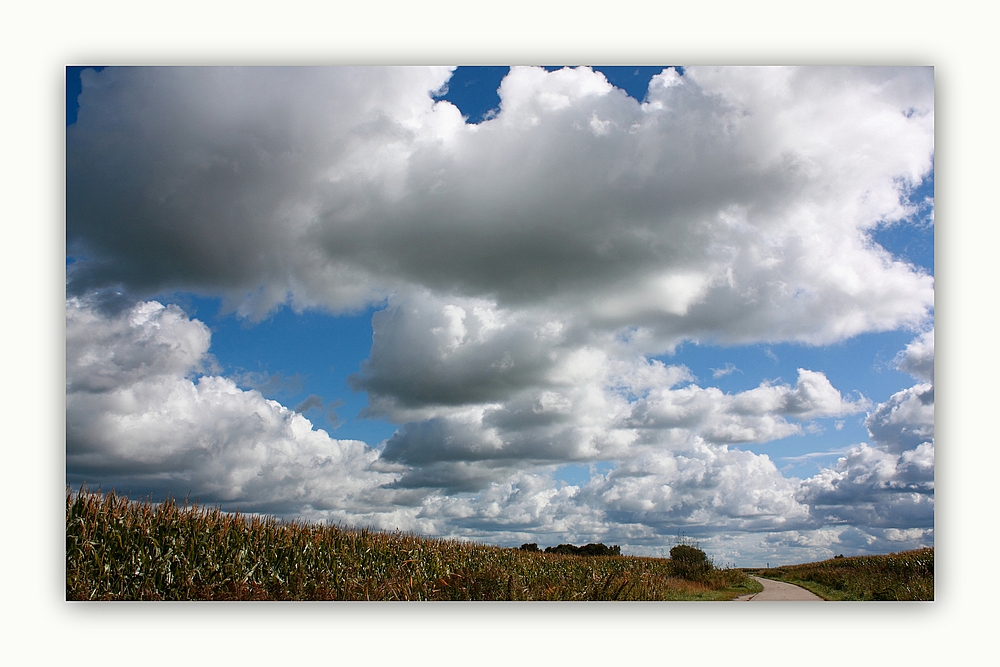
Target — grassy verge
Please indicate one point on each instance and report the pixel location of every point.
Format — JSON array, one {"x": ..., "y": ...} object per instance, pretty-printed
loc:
[
  {"x": 908, "y": 575},
  {"x": 117, "y": 549}
]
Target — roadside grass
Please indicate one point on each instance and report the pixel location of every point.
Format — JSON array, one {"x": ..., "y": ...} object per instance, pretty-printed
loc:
[
  {"x": 908, "y": 575},
  {"x": 118, "y": 549}
]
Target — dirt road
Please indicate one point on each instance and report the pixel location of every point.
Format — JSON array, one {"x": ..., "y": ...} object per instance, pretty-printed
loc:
[{"x": 779, "y": 591}]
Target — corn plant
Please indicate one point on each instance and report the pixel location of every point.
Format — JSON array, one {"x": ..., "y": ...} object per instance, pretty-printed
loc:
[
  {"x": 118, "y": 549},
  {"x": 907, "y": 575}
]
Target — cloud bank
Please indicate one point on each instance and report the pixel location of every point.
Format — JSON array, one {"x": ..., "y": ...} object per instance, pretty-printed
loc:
[
  {"x": 733, "y": 205},
  {"x": 142, "y": 416},
  {"x": 528, "y": 268}
]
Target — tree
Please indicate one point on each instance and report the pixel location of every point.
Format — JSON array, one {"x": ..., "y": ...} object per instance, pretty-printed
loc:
[
  {"x": 689, "y": 561},
  {"x": 599, "y": 549}
]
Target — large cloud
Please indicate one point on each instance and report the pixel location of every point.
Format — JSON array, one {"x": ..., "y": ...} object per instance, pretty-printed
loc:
[
  {"x": 705, "y": 488},
  {"x": 905, "y": 420},
  {"x": 756, "y": 415},
  {"x": 734, "y": 204},
  {"x": 139, "y": 420},
  {"x": 144, "y": 416},
  {"x": 890, "y": 485},
  {"x": 481, "y": 393},
  {"x": 531, "y": 265}
]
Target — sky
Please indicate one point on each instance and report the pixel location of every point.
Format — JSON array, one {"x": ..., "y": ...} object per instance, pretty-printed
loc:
[{"x": 529, "y": 304}]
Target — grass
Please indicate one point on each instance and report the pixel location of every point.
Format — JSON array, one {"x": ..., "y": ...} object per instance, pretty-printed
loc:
[
  {"x": 118, "y": 549},
  {"x": 908, "y": 575}
]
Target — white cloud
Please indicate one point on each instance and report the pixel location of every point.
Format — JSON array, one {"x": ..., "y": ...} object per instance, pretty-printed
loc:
[
  {"x": 136, "y": 418},
  {"x": 154, "y": 424},
  {"x": 905, "y": 420},
  {"x": 908, "y": 535},
  {"x": 727, "y": 369},
  {"x": 531, "y": 265},
  {"x": 887, "y": 488},
  {"x": 150, "y": 340},
  {"x": 735, "y": 205},
  {"x": 429, "y": 351},
  {"x": 822, "y": 543},
  {"x": 706, "y": 484},
  {"x": 478, "y": 399},
  {"x": 873, "y": 487},
  {"x": 756, "y": 415},
  {"x": 470, "y": 423},
  {"x": 918, "y": 357}
]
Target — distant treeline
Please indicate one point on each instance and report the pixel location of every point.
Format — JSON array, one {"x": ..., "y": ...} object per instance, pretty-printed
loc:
[{"x": 599, "y": 549}]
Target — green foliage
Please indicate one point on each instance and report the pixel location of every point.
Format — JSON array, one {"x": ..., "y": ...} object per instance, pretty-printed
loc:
[
  {"x": 117, "y": 549},
  {"x": 690, "y": 562},
  {"x": 908, "y": 575},
  {"x": 598, "y": 549},
  {"x": 686, "y": 553}
]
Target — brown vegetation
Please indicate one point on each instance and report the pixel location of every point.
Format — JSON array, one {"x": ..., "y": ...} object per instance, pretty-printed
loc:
[
  {"x": 117, "y": 549},
  {"x": 907, "y": 575}
]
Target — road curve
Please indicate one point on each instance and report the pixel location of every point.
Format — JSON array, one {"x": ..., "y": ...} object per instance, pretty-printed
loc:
[{"x": 779, "y": 591}]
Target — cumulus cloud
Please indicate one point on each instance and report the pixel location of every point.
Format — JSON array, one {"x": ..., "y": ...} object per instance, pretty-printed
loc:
[
  {"x": 888, "y": 486},
  {"x": 640, "y": 504},
  {"x": 822, "y": 543},
  {"x": 874, "y": 487},
  {"x": 480, "y": 392},
  {"x": 918, "y": 357},
  {"x": 905, "y": 420},
  {"x": 432, "y": 351},
  {"x": 530, "y": 267},
  {"x": 735, "y": 204},
  {"x": 148, "y": 341},
  {"x": 138, "y": 417},
  {"x": 704, "y": 485},
  {"x": 756, "y": 415},
  {"x": 142, "y": 417}
]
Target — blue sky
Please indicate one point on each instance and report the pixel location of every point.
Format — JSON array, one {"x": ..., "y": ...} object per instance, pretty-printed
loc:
[{"x": 656, "y": 267}]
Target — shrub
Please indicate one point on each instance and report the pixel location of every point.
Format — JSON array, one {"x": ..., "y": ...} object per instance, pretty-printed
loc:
[{"x": 690, "y": 562}]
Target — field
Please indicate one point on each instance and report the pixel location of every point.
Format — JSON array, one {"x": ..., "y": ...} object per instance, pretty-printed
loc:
[
  {"x": 118, "y": 549},
  {"x": 908, "y": 575}
]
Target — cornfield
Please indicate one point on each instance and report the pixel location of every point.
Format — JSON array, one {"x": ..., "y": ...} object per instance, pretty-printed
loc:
[
  {"x": 118, "y": 549},
  {"x": 907, "y": 575}
]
